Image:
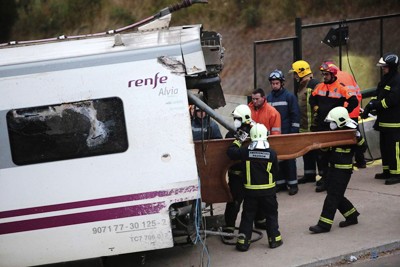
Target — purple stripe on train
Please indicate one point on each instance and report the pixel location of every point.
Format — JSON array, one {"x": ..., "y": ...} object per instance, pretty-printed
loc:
[
  {"x": 96, "y": 202},
  {"x": 79, "y": 218}
]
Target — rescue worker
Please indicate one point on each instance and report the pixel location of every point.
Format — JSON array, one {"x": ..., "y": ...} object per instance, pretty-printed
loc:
[
  {"x": 203, "y": 127},
  {"x": 286, "y": 104},
  {"x": 304, "y": 77},
  {"x": 338, "y": 175},
  {"x": 260, "y": 164},
  {"x": 350, "y": 83},
  {"x": 326, "y": 96},
  {"x": 262, "y": 112},
  {"x": 387, "y": 105},
  {"x": 242, "y": 121}
]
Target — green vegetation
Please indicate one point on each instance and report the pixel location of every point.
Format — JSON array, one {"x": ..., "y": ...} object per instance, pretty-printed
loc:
[
  {"x": 49, "y": 18},
  {"x": 241, "y": 22}
]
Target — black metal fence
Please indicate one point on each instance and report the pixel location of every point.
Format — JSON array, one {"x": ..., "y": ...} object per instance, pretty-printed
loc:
[{"x": 354, "y": 44}]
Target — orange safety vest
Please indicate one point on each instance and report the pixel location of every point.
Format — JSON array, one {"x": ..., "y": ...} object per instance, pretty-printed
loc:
[{"x": 352, "y": 87}]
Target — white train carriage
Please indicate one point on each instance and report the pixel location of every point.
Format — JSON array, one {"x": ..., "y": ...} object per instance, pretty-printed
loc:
[{"x": 95, "y": 144}]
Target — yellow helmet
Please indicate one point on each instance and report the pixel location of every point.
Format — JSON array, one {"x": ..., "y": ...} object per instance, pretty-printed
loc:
[{"x": 301, "y": 67}]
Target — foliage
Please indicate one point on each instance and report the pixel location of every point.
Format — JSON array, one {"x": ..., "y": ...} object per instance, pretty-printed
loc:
[
  {"x": 8, "y": 16},
  {"x": 48, "y": 18}
]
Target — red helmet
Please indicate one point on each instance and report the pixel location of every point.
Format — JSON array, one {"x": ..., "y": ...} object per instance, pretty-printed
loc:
[{"x": 329, "y": 68}]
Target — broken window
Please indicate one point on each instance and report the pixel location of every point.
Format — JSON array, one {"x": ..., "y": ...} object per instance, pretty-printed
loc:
[{"x": 67, "y": 131}]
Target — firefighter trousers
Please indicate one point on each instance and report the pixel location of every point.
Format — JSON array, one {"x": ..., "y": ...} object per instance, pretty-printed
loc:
[
  {"x": 237, "y": 191},
  {"x": 336, "y": 182},
  {"x": 287, "y": 173},
  {"x": 269, "y": 205},
  {"x": 311, "y": 163},
  {"x": 235, "y": 182},
  {"x": 390, "y": 147}
]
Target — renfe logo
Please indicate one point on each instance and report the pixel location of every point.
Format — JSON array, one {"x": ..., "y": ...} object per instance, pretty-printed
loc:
[{"x": 148, "y": 81}]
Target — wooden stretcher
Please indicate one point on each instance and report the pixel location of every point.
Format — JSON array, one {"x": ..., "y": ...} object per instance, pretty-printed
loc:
[{"x": 213, "y": 163}]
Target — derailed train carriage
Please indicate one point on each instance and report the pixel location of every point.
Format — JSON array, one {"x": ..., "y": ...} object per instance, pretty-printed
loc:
[{"x": 96, "y": 150}]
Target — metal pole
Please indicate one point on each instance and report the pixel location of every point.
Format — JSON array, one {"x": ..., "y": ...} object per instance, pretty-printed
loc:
[
  {"x": 298, "y": 49},
  {"x": 197, "y": 101},
  {"x": 255, "y": 64}
]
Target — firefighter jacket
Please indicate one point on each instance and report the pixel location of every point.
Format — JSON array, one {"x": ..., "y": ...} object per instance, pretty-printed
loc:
[
  {"x": 286, "y": 104},
  {"x": 260, "y": 167},
  {"x": 306, "y": 86},
  {"x": 388, "y": 104},
  {"x": 236, "y": 168},
  {"x": 341, "y": 157},
  {"x": 348, "y": 80},
  {"x": 268, "y": 116},
  {"x": 327, "y": 96},
  {"x": 204, "y": 129}
]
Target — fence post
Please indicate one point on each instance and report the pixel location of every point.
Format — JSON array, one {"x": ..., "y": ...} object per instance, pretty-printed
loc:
[{"x": 297, "y": 43}]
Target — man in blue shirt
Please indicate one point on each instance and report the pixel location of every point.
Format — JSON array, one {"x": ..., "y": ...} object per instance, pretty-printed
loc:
[{"x": 286, "y": 104}]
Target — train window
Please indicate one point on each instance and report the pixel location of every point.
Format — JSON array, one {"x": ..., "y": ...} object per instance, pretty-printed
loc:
[{"x": 67, "y": 131}]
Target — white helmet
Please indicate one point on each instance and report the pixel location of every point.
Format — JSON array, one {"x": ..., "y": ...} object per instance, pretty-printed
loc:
[
  {"x": 243, "y": 112},
  {"x": 339, "y": 117},
  {"x": 258, "y": 132},
  {"x": 258, "y": 135}
]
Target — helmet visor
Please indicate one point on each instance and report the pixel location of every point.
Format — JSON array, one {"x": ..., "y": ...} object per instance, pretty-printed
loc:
[{"x": 381, "y": 63}]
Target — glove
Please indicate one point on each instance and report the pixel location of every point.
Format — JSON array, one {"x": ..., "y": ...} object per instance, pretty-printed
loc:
[
  {"x": 365, "y": 113},
  {"x": 241, "y": 136},
  {"x": 373, "y": 104},
  {"x": 370, "y": 106}
]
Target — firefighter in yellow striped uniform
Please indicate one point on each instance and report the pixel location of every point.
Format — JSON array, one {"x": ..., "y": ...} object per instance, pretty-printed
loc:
[
  {"x": 340, "y": 168},
  {"x": 260, "y": 166}
]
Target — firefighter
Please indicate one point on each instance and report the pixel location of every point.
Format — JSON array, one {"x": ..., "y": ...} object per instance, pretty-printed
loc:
[
  {"x": 387, "y": 105},
  {"x": 242, "y": 121},
  {"x": 260, "y": 165},
  {"x": 306, "y": 84},
  {"x": 286, "y": 104},
  {"x": 350, "y": 83},
  {"x": 326, "y": 96},
  {"x": 338, "y": 175},
  {"x": 203, "y": 127}
]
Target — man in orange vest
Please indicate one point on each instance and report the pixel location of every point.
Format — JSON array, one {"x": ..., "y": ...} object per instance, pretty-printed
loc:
[
  {"x": 262, "y": 112},
  {"x": 350, "y": 83},
  {"x": 325, "y": 97}
]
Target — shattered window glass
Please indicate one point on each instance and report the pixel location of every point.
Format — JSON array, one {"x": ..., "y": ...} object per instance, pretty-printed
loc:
[{"x": 67, "y": 131}]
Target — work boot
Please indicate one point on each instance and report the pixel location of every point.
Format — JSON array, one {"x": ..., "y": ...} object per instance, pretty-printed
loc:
[
  {"x": 262, "y": 224},
  {"x": 293, "y": 189},
  {"x": 348, "y": 222},
  {"x": 392, "y": 180},
  {"x": 281, "y": 187},
  {"x": 316, "y": 229},
  {"x": 360, "y": 165},
  {"x": 306, "y": 179},
  {"x": 275, "y": 244},
  {"x": 381, "y": 176},
  {"x": 228, "y": 230},
  {"x": 242, "y": 244},
  {"x": 321, "y": 186}
]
